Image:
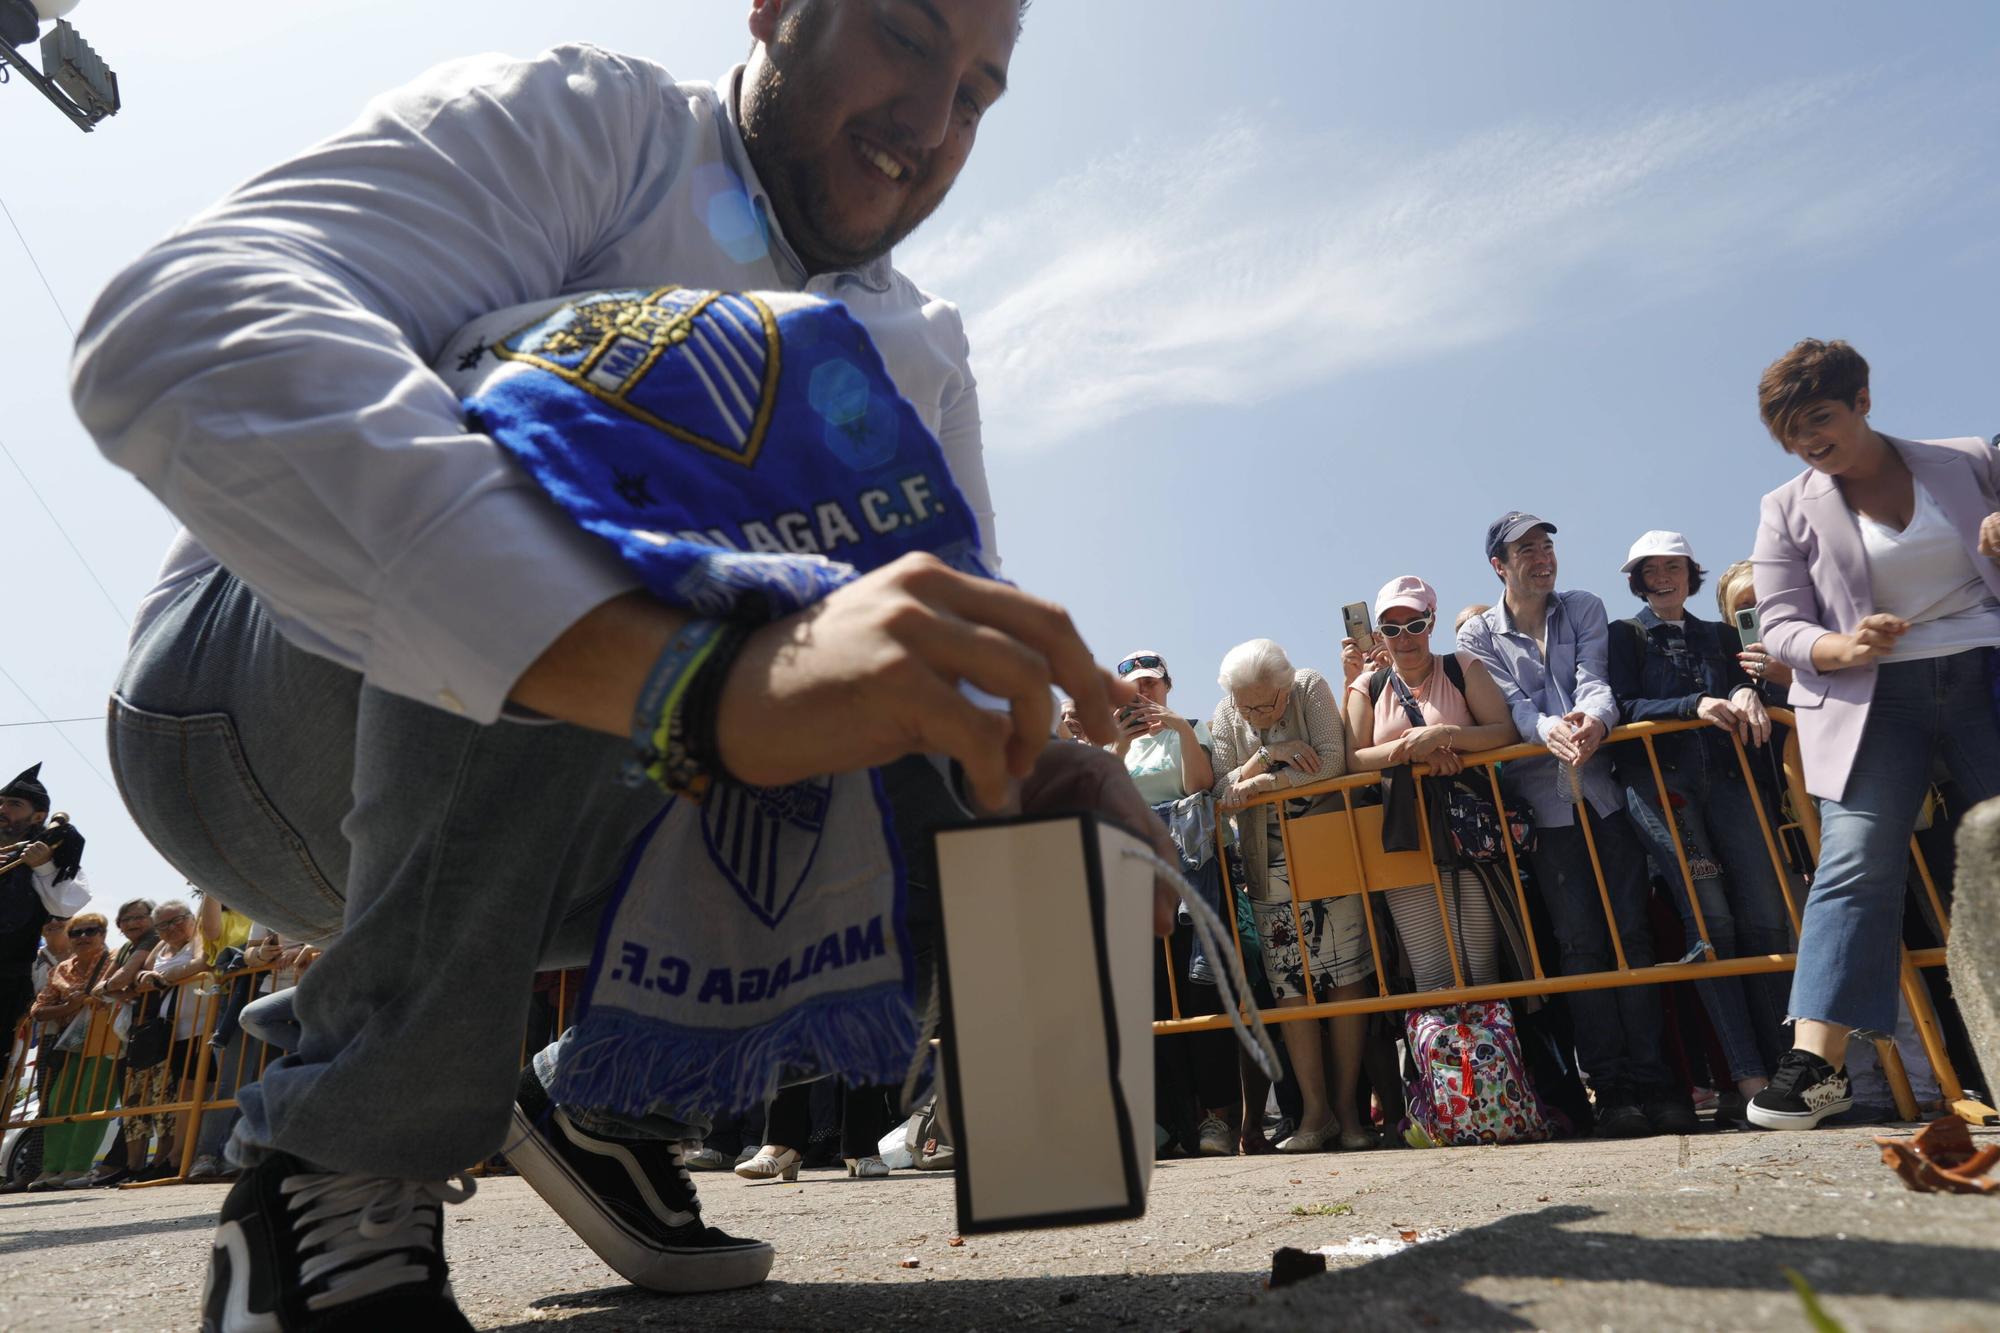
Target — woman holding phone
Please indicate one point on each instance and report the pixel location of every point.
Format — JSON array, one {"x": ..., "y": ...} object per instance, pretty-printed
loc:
[
  {"x": 1167, "y": 756},
  {"x": 1668, "y": 664},
  {"x": 1878, "y": 586}
]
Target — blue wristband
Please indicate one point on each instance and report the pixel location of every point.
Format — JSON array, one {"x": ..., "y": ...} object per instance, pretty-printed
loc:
[{"x": 669, "y": 672}]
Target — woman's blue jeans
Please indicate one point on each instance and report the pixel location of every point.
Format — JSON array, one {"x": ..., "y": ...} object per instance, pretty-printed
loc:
[
  {"x": 1742, "y": 908},
  {"x": 1850, "y": 946}
]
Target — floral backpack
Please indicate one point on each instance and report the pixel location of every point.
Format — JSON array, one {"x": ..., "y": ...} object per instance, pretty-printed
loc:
[{"x": 1471, "y": 1084}]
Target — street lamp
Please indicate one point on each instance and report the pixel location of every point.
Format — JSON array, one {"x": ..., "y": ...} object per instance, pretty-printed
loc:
[{"x": 80, "y": 85}]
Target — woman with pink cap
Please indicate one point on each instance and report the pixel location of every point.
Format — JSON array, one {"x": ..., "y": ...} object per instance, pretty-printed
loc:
[{"x": 1430, "y": 709}]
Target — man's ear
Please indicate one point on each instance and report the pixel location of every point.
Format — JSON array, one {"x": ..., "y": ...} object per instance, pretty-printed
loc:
[
  {"x": 764, "y": 17},
  {"x": 1499, "y": 569},
  {"x": 1861, "y": 400}
]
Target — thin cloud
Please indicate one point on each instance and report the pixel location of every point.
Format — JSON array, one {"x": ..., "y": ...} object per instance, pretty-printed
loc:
[{"x": 1253, "y": 262}]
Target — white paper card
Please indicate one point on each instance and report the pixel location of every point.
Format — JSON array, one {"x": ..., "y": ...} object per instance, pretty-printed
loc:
[{"x": 1048, "y": 1020}]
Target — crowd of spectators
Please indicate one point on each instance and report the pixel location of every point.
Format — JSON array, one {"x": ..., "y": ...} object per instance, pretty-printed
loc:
[
  {"x": 1871, "y": 608},
  {"x": 1879, "y": 607},
  {"x": 185, "y": 971}
]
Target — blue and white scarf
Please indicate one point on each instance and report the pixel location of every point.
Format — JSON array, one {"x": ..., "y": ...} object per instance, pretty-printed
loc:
[{"x": 746, "y": 454}]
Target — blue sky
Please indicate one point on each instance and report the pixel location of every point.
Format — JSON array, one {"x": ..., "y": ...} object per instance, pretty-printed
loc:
[{"x": 1270, "y": 302}]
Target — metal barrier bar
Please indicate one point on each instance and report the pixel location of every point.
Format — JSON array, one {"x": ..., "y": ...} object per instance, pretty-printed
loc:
[
  {"x": 1778, "y": 865},
  {"x": 1514, "y": 869},
  {"x": 190, "y": 1076},
  {"x": 1680, "y": 851}
]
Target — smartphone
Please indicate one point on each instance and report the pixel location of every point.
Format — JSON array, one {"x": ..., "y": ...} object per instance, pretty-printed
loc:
[
  {"x": 1355, "y": 617},
  {"x": 1749, "y": 627}
]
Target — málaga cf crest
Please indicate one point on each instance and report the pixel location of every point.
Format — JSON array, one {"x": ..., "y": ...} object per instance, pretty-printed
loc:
[{"x": 608, "y": 344}]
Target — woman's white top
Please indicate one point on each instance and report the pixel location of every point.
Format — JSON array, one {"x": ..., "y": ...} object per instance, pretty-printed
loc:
[
  {"x": 187, "y": 1007},
  {"x": 1925, "y": 575}
]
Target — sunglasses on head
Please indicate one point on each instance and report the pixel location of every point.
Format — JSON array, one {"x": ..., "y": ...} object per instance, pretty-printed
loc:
[
  {"x": 85, "y": 932},
  {"x": 1146, "y": 663},
  {"x": 1421, "y": 625}
]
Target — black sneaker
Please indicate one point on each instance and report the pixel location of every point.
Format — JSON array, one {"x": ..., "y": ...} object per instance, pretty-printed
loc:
[
  {"x": 1669, "y": 1111},
  {"x": 1619, "y": 1116},
  {"x": 1804, "y": 1091},
  {"x": 631, "y": 1200},
  {"x": 304, "y": 1251}
]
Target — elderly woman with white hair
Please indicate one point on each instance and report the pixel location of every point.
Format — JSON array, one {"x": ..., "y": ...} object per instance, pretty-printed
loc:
[{"x": 1279, "y": 727}]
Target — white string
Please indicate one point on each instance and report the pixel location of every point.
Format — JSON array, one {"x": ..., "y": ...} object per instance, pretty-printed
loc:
[{"x": 1243, "y": 1017}]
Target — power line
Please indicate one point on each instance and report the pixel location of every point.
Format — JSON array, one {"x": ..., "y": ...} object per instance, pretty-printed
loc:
[
  {"x": 59, "y": 731},
  {"x": 68, "y": 541},
  {"x": 63, "y": 315},
  {"x": 53, "y": 721}
]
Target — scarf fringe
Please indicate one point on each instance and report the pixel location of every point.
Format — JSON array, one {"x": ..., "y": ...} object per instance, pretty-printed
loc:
[{"x": 630, "y": 1065}]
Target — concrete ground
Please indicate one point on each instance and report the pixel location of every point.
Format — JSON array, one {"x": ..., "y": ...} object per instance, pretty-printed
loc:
[{"x": 1648, "y": 1234}]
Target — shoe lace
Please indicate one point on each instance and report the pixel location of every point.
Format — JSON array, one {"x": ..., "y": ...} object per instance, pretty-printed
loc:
[
  {"x": 678, "y": 1156},
  {"x": 358, "y": 1233},
  {"x": 1794, "y": 1074}
]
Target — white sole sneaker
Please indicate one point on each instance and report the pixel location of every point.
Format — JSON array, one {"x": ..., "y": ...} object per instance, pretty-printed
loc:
[
  {"x": 602, "y": 1190},
  {"x": 1765, "y": 1118}
]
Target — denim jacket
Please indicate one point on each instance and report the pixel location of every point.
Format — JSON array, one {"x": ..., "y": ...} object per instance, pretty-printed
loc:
[{"x": 1666, "y": 680}]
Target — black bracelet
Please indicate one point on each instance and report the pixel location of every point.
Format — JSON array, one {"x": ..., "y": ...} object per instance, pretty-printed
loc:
[{"x": 703, "y": 700}]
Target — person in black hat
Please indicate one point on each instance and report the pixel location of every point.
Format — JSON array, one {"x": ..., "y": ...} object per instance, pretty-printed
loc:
[{"x": 44, "y": 881}]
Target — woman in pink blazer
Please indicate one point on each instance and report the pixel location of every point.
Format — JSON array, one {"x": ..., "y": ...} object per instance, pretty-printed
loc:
[{"x": 1877, "y": 584}]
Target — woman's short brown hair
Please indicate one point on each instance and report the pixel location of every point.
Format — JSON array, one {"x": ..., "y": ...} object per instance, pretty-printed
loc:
[
  {"x": 87, "y": 919},
  {"x": 1812, "y": 372}
]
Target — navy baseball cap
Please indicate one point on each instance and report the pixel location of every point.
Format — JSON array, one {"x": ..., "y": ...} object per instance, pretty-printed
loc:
[{"x": 1511, "y": 527}]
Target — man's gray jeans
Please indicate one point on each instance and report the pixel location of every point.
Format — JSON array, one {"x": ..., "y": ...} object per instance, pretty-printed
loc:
[{"x": 445, "y": 861}]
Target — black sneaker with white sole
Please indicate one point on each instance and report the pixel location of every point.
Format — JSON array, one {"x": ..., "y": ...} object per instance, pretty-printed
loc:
[
  {"x": 304, "y": 1251},
  {"x": 631, "y": 1200},
  {"x": 1804, "y": 1091}
]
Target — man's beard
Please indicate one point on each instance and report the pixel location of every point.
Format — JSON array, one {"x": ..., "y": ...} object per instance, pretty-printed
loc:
[
  {"x": 784, "y": 104},
  {"x": 25, "y": 831}
]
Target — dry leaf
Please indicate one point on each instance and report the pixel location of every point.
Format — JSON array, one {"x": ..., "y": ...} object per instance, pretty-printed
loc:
[{"x": 956, "y": 1241}]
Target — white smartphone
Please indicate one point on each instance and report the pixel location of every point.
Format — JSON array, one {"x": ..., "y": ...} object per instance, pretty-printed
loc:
[
  {"x": 1749, "y": 627},
  {"x": 1355, "y": 617}
]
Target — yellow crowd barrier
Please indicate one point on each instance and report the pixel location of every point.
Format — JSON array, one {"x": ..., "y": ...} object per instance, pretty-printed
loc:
[
  {"x": 1339, "y": 853},
  {"x": 167, "y": 1101}
]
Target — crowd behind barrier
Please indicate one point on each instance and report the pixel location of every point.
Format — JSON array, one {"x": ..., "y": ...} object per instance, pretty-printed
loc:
[{"x": 1481, "y": 876}]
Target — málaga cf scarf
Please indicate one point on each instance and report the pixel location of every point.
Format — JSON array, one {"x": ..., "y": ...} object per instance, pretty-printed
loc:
[{"x": 746, "y": 454}]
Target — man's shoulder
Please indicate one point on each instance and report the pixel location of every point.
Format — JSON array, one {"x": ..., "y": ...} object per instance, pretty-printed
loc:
[
  {"x": 583, "y": 75},
  {"x": 901, "y": 289},
  {"x": 1582, "y": 605}
]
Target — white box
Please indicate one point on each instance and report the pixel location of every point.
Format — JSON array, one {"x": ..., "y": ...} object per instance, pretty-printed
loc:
[{"x": 1047, "y": 1040}]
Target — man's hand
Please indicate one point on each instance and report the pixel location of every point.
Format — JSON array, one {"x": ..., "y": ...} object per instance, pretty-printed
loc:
[
  {"x": 1989, "y": 536},
  {"x": 871, "y": 674},
  {"x": 1084, "y": 778},
  {"x": 36, "y": 854},
  {"x": 1586, "y": 733},
  {"x": 1562, "y": 741}
]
